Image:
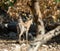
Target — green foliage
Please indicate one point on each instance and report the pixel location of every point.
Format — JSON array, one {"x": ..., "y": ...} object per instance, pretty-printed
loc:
[
  {"x": 57, "y": 1},
  {"x": 6, "y": 3}
]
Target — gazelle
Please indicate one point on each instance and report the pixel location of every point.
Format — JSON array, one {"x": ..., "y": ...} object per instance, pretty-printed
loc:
[{"x": 24, "y": 26}]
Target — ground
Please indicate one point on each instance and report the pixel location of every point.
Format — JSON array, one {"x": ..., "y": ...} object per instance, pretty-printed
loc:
[
  {"x": 12, "y": 45},
  {"x": 18, "y": 47}
]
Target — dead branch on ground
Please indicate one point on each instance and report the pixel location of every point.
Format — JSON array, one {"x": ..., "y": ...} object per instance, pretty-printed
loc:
[{"x": 41, "y": 39}]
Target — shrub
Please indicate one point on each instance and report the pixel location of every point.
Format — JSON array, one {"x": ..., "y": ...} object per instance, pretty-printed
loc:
[{"x": 4, "y": 4}]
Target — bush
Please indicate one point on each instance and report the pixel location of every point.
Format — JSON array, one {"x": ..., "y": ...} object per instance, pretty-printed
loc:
[{"x": 4, "y": 4}]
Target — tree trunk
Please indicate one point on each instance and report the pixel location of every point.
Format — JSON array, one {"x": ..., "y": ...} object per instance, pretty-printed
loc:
[{"x": 37, "y": 17}]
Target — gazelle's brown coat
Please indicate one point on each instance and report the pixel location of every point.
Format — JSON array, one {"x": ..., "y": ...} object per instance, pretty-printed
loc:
[{"x": 24, "y": 26}]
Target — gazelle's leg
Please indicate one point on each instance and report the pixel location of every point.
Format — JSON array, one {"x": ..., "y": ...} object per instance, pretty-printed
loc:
[
  {"x": 20, "y": 36},
  {"x": 21, "y": 32},
  {"x": 27, "y": 35}
]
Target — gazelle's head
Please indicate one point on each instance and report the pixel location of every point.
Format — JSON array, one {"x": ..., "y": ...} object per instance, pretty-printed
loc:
[{"x": 23, "y": 16}]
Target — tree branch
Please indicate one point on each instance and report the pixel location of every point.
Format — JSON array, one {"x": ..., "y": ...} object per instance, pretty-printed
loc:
[
  {"x": 41, "y": 39},
  {"x": 49, "y": 35}
]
